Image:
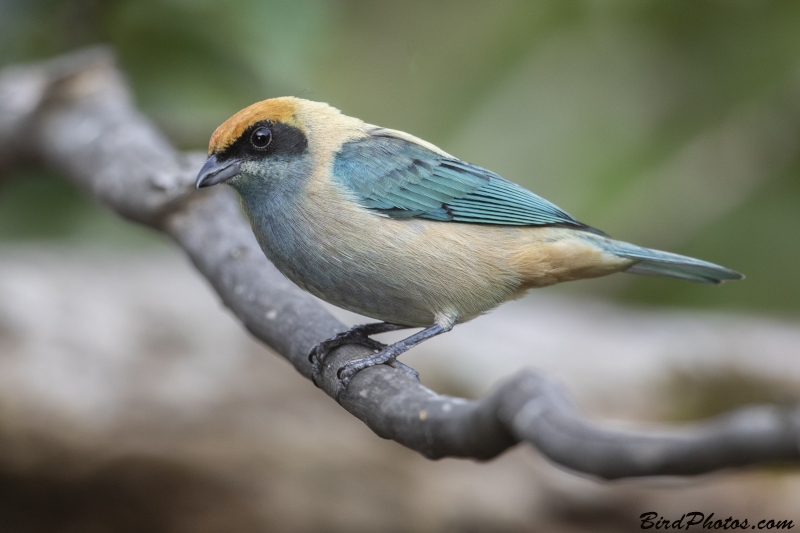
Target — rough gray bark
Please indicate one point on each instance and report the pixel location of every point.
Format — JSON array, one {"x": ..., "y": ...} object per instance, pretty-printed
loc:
[{"x": 75, "y": 115}]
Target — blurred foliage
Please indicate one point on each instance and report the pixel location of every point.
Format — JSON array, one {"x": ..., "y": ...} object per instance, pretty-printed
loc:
[{"x": 673, "y": 124}]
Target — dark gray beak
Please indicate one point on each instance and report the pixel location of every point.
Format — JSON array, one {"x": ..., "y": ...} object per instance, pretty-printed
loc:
[{"x": 214, "y": 172}]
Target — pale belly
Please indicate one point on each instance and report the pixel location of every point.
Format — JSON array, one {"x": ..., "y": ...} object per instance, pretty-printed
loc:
[{"x": 409, "y": 272}]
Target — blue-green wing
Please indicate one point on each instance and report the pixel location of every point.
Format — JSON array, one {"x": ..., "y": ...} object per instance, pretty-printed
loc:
[{"x": 399, "y": 178}]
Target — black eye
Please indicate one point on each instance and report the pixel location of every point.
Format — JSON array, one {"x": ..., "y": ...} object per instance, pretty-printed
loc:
[{"x": 261, "y": 138}]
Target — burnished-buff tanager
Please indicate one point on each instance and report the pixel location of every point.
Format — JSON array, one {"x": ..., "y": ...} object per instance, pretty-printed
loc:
[{"x": 384, "y": 224}]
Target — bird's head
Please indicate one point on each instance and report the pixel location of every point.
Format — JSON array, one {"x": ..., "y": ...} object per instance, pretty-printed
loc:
[{"x": 265, "y": 141}]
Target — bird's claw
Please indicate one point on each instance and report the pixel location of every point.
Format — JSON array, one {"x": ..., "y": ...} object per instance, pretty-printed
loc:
[
  {"x": 346, "y": 372},
  {"x": 387, "y": 356},
  {"x": 383, "y": 354},
  {"x": 320, "y": 352},
  {"x": 358, "y": 335}
]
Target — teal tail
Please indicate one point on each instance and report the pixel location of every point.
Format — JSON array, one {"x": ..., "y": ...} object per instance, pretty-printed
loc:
[{"x": 667, "y": 265}]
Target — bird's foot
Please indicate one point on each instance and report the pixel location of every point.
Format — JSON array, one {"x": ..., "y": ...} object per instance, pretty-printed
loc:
[
  {"x": 387, "y": 356},
  {"x": 355, "y": 335},
  {"x": 361, "y": 335}
]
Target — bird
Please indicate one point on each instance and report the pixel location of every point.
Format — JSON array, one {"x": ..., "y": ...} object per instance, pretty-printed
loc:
[{"x": 387, "y": 225}]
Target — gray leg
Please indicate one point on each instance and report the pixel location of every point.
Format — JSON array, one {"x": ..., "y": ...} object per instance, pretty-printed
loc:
[
  {"x": 387, "y": 354},
  {"x": 355, "y": 335}
]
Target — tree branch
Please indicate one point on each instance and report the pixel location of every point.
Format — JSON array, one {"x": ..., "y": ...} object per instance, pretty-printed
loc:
[{"x": 75, "y": 115}]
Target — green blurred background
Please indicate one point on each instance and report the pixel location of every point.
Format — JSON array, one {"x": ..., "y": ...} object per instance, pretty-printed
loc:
[{"x": 672, "y": 124}]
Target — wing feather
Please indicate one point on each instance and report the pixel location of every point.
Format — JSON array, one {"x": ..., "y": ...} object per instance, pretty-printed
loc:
[{"x": 396, "y": 176}]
